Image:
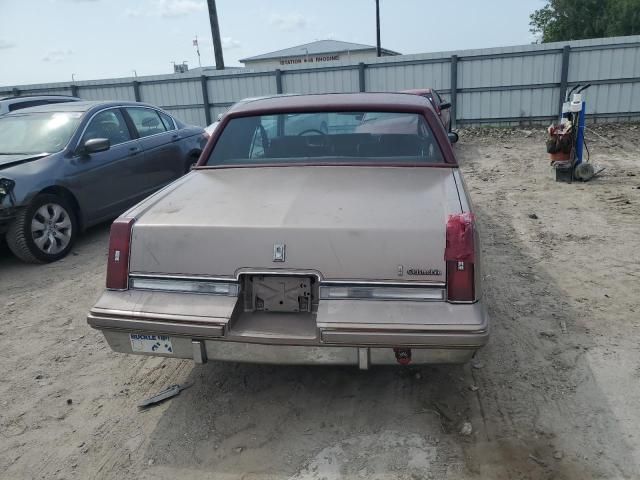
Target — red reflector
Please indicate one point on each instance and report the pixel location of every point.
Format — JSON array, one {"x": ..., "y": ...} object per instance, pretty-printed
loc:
[
  {"x": 460, "y": 283},
  {"x": 118, "y": 262},
  {"x": 460, "y": 256}
]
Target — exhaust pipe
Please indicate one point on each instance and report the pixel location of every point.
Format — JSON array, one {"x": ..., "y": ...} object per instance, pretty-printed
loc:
[{"x": 403, "y": 355}]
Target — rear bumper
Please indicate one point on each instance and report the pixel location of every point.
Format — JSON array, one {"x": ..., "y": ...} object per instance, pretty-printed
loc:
[{"x": 341, "y": 332}]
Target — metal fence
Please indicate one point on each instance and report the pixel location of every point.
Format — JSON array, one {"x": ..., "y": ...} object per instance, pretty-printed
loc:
[{"x": 519, "y": 85}]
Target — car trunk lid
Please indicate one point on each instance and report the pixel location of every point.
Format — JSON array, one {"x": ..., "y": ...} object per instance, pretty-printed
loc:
[{"x": 345, "y": 223}]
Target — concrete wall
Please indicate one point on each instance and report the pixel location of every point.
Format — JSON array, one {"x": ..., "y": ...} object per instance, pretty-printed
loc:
[{"x": 517, "y": 85}]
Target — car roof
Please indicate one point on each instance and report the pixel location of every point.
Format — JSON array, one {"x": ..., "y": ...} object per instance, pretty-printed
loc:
[
  {"x": 39, "y": 97},
  {"x": 332, "y": 101},
  {"x": 83, "y": 106}
]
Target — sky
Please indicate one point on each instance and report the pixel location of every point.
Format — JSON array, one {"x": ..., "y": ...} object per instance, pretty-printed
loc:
[{"x": 45, "y": 41}]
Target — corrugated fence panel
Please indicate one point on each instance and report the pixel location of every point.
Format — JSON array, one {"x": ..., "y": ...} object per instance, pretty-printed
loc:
[
  {"x": 608, "y": 64},
  {"x": 232, "y": 89},
  {"x": 615, "y": 98},
  {"x": 172, "y": 93},
  {"x": 192, "y": 116},
  {"x": 215, "y": 111},
  {"x": 393, "y": 78},
  {"x": 327, "y": 81},
  {"x": 517, "y": 104},
  {"x": 495, "y": 72},
  {"x": 64, "y": 90},
  {"x": 501, "y": 85},
  {"x": 604, "y": 64},
  {"x": 115, "y": 92}
]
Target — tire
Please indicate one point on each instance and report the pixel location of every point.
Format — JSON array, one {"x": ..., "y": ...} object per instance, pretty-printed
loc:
[
  {"x": 53, "y": 240},
  {"x": 191, "y": 161}
]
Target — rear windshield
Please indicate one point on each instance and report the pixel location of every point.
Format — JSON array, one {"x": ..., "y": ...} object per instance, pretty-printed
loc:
[{"x": 327, "y": 137}]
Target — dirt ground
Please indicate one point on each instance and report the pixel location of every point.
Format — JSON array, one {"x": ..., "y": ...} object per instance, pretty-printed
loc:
[{"x": 555, "y": 395}]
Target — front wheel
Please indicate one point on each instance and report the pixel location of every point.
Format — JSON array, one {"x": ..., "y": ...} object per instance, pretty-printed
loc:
[{"x": 44, "y": 231}]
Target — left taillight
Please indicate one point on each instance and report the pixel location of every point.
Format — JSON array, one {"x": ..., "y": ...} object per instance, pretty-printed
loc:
[
  {"x": 460, "y": 258},
  {"x": 119, "y": 247}
]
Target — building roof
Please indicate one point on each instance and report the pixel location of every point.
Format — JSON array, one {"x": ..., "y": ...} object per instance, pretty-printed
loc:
[{"x": 317, "y": 47}]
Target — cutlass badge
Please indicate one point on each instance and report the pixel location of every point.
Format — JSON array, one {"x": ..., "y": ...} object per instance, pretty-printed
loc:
[{"x": 424, "y": 271}]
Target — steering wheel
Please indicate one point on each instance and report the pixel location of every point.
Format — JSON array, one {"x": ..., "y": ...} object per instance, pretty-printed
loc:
[{"x": 311, "y": 130}]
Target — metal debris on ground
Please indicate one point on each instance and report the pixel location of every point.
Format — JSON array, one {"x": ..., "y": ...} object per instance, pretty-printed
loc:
[
  {"x": 170, "y": 392},
  {"x": 537, "y": 460}
]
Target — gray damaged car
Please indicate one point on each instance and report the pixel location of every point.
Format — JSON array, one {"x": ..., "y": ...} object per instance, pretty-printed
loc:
[{"x": 65, "y": 167}]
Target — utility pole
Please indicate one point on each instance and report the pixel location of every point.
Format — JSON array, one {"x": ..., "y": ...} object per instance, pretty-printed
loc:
[
  {"x": 378, "y": 48},
  {"x": 215, "y": 33}
]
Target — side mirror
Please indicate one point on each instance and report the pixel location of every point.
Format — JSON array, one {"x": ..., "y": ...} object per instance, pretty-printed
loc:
[
  {"x": 453, "y": 137},
  {"x": 445, "y": 105},
  {"x": 96, "y": 145}
]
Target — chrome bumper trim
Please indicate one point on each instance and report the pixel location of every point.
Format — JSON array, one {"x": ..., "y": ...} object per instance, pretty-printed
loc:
[{"x": 217, "y": 350}]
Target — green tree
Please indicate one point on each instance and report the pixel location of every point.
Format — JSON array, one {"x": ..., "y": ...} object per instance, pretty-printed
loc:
[{"x": 561, "y": 20}]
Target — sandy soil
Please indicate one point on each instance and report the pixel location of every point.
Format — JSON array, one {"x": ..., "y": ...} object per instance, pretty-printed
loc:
[{"x": 553, "y": 396}]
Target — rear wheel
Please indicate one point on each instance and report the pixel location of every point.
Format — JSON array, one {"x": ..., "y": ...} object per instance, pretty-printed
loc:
[
  {"x": 44, "y": 231},
  {"x": 191, "y": 162}
]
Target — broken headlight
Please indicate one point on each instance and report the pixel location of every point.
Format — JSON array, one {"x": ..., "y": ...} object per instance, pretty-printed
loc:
[{"x": 6, "y": 187}]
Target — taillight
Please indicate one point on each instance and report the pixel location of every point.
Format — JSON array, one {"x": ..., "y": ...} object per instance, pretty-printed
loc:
[
  {"x": 118, "y": 262},
  {"x": 460, "y": 257}
]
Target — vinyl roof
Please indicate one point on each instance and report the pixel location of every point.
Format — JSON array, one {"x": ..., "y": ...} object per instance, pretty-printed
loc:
[
  {"x": 317, "y": 47},
  {"x": 334, "y": 102}
]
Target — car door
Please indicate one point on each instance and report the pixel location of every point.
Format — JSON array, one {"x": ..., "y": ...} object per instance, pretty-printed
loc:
[
  {"x": 107, "y": 182},
  {"x": 160, "y": 141}
]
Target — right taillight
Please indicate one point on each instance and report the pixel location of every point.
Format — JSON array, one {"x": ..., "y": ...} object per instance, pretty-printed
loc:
[
  {"x": 119, "y": 246},
  {"x": 459, "y": 255}
]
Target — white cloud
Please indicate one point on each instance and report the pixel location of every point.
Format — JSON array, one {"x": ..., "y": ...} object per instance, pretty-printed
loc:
[
  {"x": 4, "y": 44},
  {"x": 287, "y": 22},
  {"x": 57, "y": 55},
  {"x": 177, "y": 8},
  {"x": 229, "y": 43}
]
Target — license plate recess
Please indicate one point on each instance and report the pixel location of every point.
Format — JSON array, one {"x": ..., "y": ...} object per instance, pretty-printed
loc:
[{"x": 280, "y": 294}]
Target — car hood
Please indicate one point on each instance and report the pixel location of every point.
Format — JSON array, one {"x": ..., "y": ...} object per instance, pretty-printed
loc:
[
  {"x": 343, "y": 222},
  {"x": 7, "y": 161}
]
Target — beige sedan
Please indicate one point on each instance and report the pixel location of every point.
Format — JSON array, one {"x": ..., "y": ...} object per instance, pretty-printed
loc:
[{"x": 353, "y": 244}]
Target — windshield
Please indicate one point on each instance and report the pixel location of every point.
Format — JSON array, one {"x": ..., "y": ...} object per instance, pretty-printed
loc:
[
  {"x": 327, "y": 137},
  {"x": 31, "y": 133}
]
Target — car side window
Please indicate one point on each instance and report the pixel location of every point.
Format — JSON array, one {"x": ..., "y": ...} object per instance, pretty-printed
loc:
[
  {"x": 146, "y": 121},
  {"x": 108, "y": 124},
  {"x": 167, "y": 121}
]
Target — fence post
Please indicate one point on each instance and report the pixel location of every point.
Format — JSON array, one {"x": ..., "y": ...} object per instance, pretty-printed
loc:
[
  {"x": 454, "y": 91},
  {"x": 74, "y": 90},
  {"x": 136, "y": 90},
  {"x": 564, "y": 76},
  {"x": 278, "y": 81},
  {"x": 361, "y": 81},
  {"x": 205, "y": 99}
]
